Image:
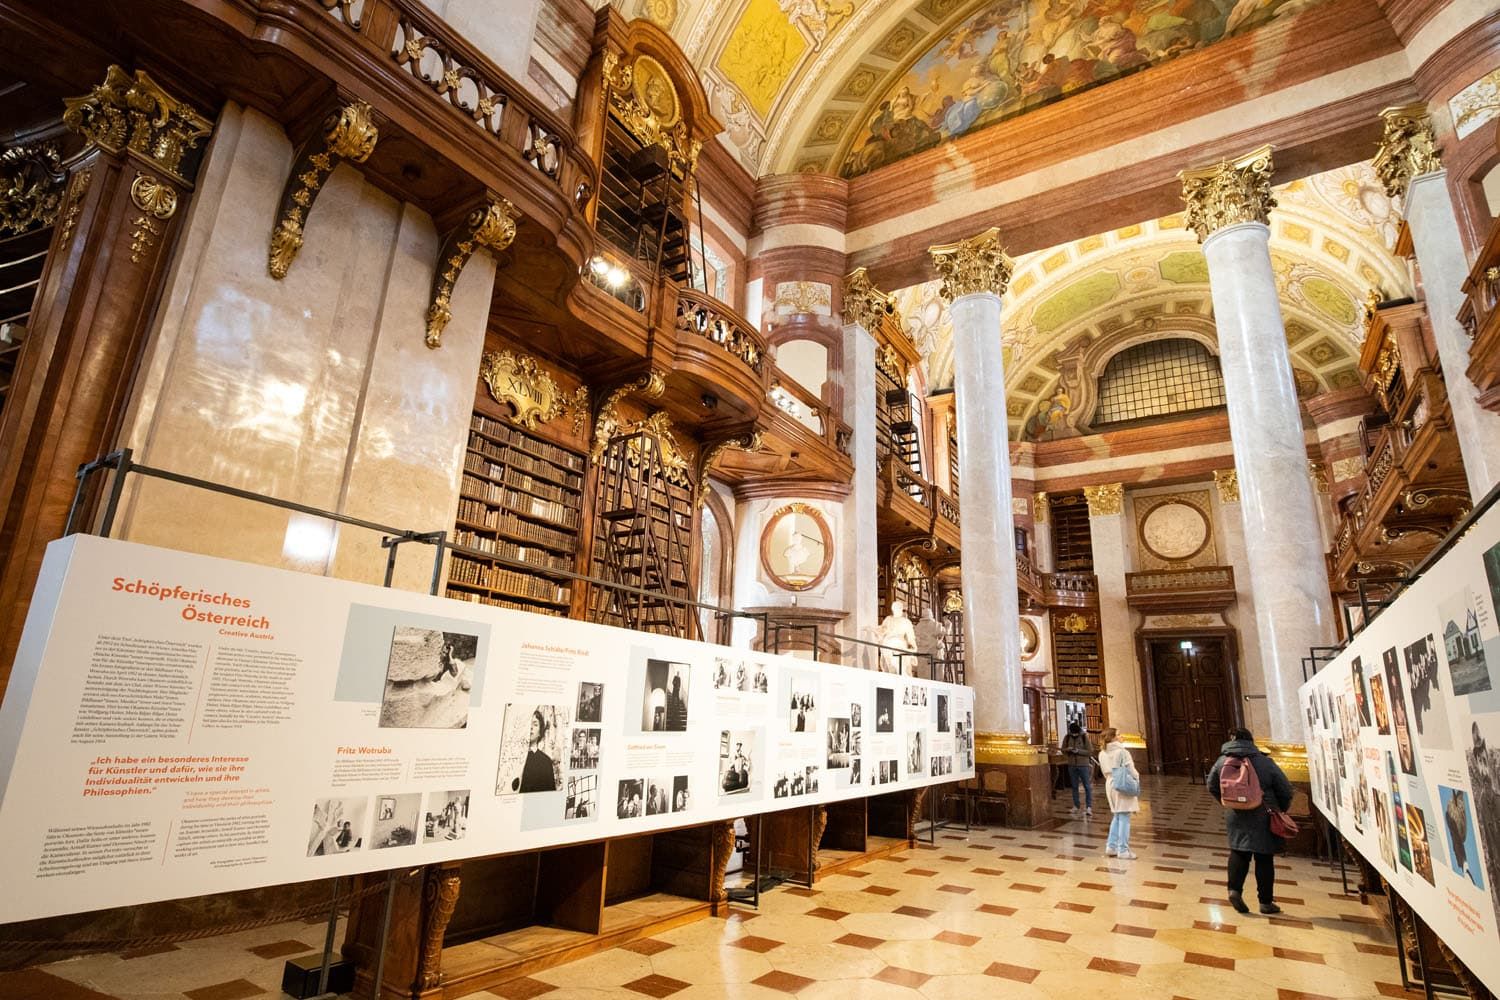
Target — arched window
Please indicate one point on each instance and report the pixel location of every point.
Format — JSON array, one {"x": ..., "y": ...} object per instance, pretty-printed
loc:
[{"x": 1158, "y": 378}]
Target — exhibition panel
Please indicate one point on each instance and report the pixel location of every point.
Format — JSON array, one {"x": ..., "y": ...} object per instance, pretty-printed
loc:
[{"x": 179, "y": 725}]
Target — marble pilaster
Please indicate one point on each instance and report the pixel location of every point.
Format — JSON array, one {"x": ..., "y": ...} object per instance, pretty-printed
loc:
[
  {"x": 1108, "y": 529},
  {"x": 975, "y": 274},
  {"x": 1229, "y": 207},
  {"x": 859, "y": 544}
]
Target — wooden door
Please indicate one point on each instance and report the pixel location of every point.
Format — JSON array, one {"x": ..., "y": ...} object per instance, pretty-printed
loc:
[{"x": 1194, "y": 699}]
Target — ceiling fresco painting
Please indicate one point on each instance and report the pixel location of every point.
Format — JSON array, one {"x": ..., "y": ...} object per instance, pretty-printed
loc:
[{"x": 1009, "y": 58}]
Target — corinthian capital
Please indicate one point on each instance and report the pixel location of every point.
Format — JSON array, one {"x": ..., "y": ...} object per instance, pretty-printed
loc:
[
  {"x": 1229, "y": 193},
  {"x": 1408, "y": 148},
  {"x": 864, "y": 303},
  {"x": 977, "y": 264}
]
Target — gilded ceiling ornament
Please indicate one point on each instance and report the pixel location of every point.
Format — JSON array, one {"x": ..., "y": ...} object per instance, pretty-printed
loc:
[
  {"x": 1408, "y": 149},
  {"x": 864, "y": 304},
  {"x": 492, "y": 226},
  {"x": 136, "y": 114},
  {"x": 1228, "y": 194},
  {"x": 1475, "y": 104},
  {"x": 608, "y": 422},
  {"x": 642, "y": 96},
  {"x": 1105, "y": 500},
  {"x": 517, "y": 379},
  {"x": 978, "y": 264},
  {"x": 348, "y": 133},
  {"x": 32, "y": 180},
  {"x": 749, "y": 441},
  {"x": 1228, "y": 483}
]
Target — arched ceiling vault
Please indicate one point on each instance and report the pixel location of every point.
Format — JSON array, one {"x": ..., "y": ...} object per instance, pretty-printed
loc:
[
  {"x": 844, "y": 86},
  {"x": 1330, "y": 236}
]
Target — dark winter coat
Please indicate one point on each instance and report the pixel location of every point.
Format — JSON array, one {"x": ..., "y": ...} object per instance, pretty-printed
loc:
[
  {"x": 1078, "y": 750},
  {"x": 1250, "y": 829}
]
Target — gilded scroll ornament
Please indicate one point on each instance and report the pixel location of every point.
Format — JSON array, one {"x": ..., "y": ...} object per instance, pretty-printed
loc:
[
  {"x": 670, "y": 462},
  {"x": 1073, "y": 622},
  {"x": 134, "y": 113},
  {"x": 491, "y": 226},
  {"x": 1041, "y": 507},
  {"x": 889, "y": 362},
  {"x": 1105, "y": 500},
  {"x": 865, "y": 304},
  {"x": 1228, "y": 483},
  {"x": 641, "y": 95},
  {"x": 1318, "y": 472},
  {"x": 78, "y": 186},
  {"x": 749, "y": 441},
  {"x": 518, "y": 380},
  {"x": 1408, "y": 148},
  {"x": 348, "y": 133},
  {"x": 953, "y": 602},
  {"x": 152, "y": 196},
  {"x": 32, "y": 180},
  {"x": 608, "y": 422},
  {"x": 977, "y": 264},
  {"x": 1229, "y": 193}
]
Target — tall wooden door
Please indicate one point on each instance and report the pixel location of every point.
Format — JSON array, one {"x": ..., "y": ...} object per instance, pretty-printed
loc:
[{"x": 1194, "y": 701}]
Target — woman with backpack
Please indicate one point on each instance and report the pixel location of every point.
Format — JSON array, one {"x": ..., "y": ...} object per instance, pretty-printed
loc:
[
  {"x": 1250, "y": 786},
  {"x": 1079, "y": 754},
  {"x": 1122, "y": 785}
]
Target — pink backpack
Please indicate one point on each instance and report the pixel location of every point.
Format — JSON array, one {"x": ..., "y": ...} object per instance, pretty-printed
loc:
[{"x": 1239, "y": 786}]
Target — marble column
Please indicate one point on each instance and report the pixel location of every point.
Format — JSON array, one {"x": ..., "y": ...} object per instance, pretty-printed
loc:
[
  {"x": 863, "y": 305},
  {"x": 1409, "y": 167},
  {"x": 1228, "y": 207},
  {"x": 975, "y": 273}
]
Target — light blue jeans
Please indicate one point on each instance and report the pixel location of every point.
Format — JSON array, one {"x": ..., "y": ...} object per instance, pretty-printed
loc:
[{"x": 1119, "y": 831}]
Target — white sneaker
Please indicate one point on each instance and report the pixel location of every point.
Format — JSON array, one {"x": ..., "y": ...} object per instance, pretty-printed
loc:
[
  {"x": 1073, "y": 811},
  {"x": 1109, "y": 852},
  {"x": 1089, "y": 813},
  {"x": 1127, "y": 855}
]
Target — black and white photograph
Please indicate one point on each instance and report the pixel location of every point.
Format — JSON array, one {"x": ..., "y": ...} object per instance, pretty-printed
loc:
[
  {"x": 1395, "y": 693},
  {"x": 658, "y": 797},
  {"x": 583, "y": 797},
  {"x": 531, "y": 749},
  {"x": 840, "y": 752},
  {"x": 887, "y": 773},
  {"x": 395, "y": 822},
  {"x": 857, "y": 715},
  {"x": 584, "y": 753},
  {"x": 632, "y": 799},
  {"x": 724, "y": 673},
  {"x": 760, "y": 684},
  {"x": 1482, "y": 753},
  {"x": 854, "y": 773},
  {"x": 795, "y": 781},
  {"x": 427, "y": 679},
  {"x": 446, "y": 816},
  {"x": 338, "y": 826},
  {"x": 1361, "y": 702},
  {"x": 736, "y": 760},
  {"x": 1429, "y": 711},
  {"x": 590, "y": 701},
  {"x": 802, "y": 701},
  {"x": 914, "y": 756},
  {"x": 680, "y": 800},
  {"x": 1462, "y": 643},
  {"x": 664, "y": 702},
  {"x": 942, "y": 713},
  {"x": 885, "y": 710}
]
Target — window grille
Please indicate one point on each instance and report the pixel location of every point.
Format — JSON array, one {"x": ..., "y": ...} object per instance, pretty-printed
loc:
[{"x": 1159, "y": 378}]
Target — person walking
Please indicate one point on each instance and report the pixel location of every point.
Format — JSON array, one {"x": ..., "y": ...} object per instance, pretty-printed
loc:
[
  {"x": 1078, "y": 754},
  {"x": 1249, "y": 784},
  {"x": 1122, "y": 786}
]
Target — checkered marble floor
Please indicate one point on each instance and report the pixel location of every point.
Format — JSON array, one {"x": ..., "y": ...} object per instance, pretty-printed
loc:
[{"x": 1035, "y": 915}]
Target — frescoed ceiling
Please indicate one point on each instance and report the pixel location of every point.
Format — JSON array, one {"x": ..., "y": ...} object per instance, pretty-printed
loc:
[
  {"x": 845, "y": 86},
  {"x": 1088, "y": 299}
]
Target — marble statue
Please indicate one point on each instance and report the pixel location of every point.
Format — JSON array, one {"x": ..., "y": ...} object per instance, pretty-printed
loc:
[{"x": 896, "y": 632}]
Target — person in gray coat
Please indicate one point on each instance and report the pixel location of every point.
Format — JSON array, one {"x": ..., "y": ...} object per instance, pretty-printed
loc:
[{"x": 1249, "y": 830}]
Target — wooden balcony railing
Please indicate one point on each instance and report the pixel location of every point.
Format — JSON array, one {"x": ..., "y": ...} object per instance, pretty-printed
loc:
[
  {"x": 705, "y": 316},
  {"x": 459, "y": 75},
  {"x": 1070, "y": 590},
  {"x": 1482, "y": 320},
  {"x": 807, "y": 411},
  {"x": 1203, "y": 587}
]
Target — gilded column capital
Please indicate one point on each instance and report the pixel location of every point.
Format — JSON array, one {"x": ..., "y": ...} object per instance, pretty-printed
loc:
[
  {"x": 865, "y": 304},
  {"x": 977, "y": 264},
  {"x": 135, "y": 113},
  {"x": 1229, "y": 193},
  {"x": 1408, "y": 148},
  {"x": 492, "y": 226},
  {"x": 1105, "y": 500},
  {"x": 1227, "y": 481}
]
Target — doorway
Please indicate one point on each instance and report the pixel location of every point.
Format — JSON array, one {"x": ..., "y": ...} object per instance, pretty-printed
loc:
[{"x": 1194, "y": 699}]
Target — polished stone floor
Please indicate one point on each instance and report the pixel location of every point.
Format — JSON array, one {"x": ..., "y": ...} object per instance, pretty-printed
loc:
[{"x": 1042, "y": 915}]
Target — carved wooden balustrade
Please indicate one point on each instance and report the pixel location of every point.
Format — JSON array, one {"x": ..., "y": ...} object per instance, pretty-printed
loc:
[
  {"x": 1480, "y": 317},
  {"x": 1201, "y": 588},
  {"x": 708, "y": 318},
  {"x": 1070, "y": 590},
  {"x": 806, "y": 419}
]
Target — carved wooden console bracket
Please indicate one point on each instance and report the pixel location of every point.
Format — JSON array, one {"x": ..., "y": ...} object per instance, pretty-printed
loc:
[
  {"x": 492, "y": 226},
  {"x": 348, "y": 133}
]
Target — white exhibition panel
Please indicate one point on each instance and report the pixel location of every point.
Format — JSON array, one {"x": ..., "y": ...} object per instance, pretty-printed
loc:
[
  {"x": 177, "y": 725},
  {"x": 1403, "y": 743}
]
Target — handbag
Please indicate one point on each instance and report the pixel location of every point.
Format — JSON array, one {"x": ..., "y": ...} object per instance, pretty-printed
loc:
[
  {"x": 1282, "y": 825},
  {"x": 1123, "y": 781}
]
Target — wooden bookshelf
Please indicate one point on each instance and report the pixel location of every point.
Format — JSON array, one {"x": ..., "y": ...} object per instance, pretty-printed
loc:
[
  {"x": 521, "y": 499},
  {"x": 1072, "y": 544},
  {"x": 1078, "y": 665}
]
